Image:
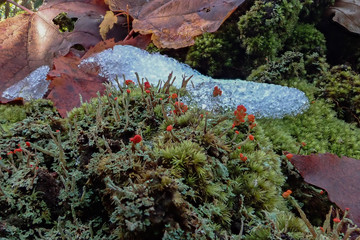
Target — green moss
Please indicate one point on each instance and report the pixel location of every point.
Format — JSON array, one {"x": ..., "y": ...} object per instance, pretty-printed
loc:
[
  {"x": 266, "y": 26},
  {"x": 216, "y": 54},
  {"x": 342, "y": 86},
  {"x": 318, "y": 127},
  {"x": 259, "y": 181},
  {"x": 306, "y": 39},
  {"x": 11, "y": 114},
  {"x": 313, "y": 10},
  {"x": 290, "y": 67}
]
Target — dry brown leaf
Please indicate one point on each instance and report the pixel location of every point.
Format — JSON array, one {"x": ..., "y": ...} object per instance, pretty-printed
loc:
[
  {"x": 347, "y": 14},
  {"x": 108, "y": 23},
  {"x": 175, "y": 23},
  {"x": 29, "y": 41}
]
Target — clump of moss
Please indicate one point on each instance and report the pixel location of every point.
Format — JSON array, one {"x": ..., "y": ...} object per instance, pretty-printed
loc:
[
  {"x": 313, "y": 10},
  {"x": 290, "y": 67},
  {"x": 265, "y": 28},
  {"x": 216, "y": 54},
  {"x": 306, "y": 39},
  {"x": 342, "y": 86}
]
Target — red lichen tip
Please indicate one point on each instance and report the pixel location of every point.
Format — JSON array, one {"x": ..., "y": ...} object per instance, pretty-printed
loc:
[
  {"x": 169, "y": 128},
  {"x": 287, "y": 193},
  {"x": 217, "y": 91},
  {"x": 27, "y": 144},
  {"x": 17, "y": 150},
  {"x": 128, "y": 82},
  {"x": 251, "y": 137},
  {"x": 174, "y": 96},
  {"x": 336, "y": 220},
  {"x": 136, "y": 139},
  {"x": 147, "y": 85},
  {"x": 251, "y": 118},
  {"x": 289, "y": 156}
]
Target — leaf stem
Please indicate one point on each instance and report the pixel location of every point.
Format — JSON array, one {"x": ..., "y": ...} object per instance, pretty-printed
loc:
[{"x": 22, "y": 7}]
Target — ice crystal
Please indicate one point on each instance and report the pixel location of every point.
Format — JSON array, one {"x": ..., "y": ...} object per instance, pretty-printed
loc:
[
  {"x": 261, "y": 99},
  {"x": 33, "y": 86}
]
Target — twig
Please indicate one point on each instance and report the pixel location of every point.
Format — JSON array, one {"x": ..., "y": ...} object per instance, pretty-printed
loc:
[{"x": 303, "y": 217}]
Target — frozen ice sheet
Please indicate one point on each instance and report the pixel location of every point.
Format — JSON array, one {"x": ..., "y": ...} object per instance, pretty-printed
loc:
[
  {"x": 33, "y": 86},
  {"x": 261, "y": 99}
]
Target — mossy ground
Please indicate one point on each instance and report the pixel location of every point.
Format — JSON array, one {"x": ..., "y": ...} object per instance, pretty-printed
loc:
[{"x": 82, "y": 178}]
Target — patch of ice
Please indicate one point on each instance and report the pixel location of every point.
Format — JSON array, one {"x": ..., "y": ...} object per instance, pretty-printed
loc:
[
  {"x": 33, "y": 86},
  {"x": 261, "y": 99}
]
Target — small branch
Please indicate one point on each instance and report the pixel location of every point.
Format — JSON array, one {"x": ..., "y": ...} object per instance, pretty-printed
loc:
[
  {"x": 22, "y": 7},
  {"x": 303, "y": 217},
  {"x": 129, "y": 35}
]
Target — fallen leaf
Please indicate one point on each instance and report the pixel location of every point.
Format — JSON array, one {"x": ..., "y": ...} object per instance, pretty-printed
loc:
[
  {"x": 16, "y": 101},
  {"x": 340, "y": 177},
  {"x": 29, "y": 41},
  {"x": 175, "y": 23},
  {"x": 68, "y": 81},
  {"x": 108, "y": 23},
  {"x": 140, "y": 41},
  {"x": 347, "y": 14}
]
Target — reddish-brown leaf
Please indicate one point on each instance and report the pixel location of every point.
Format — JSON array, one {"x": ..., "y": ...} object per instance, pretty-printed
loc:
[
  {"x": 140, "y": 41},
  {"x": 340, "y": 177},
  {"x": 347, "y": 14},
  {"x": 29, "y": 41},
  {"x": 175, "y": 23},
  {"x": 68, "y": 81}
]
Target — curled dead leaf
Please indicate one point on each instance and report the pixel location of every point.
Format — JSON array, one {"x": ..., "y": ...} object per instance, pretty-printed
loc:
[
  {"x": 347, "y": 14},
  {"x": 175, "y": 23}
]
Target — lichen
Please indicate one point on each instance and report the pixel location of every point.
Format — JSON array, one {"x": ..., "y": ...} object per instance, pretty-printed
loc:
[{"x": 82, "y": 177}]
